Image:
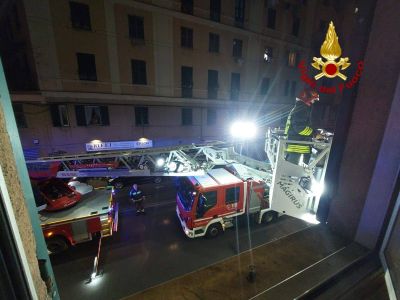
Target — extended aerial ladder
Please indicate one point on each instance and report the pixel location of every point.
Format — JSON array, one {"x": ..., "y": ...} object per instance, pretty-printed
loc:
[{"x": 182, "y": 160}]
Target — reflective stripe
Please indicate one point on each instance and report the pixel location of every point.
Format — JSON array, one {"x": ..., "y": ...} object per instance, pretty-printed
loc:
[
  {"x": 306, "y": 131},
  {"x": 298, "y": 149}
]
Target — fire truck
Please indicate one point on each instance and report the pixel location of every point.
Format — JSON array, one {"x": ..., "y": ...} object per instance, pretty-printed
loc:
[
  {"x": 96, "y": 215},
  {"x": 208, "y": 204},
  {"x": 218, "y": 184}
]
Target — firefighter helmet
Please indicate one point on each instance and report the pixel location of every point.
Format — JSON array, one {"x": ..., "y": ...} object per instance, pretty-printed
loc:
[{"x": 308, "y": 96}]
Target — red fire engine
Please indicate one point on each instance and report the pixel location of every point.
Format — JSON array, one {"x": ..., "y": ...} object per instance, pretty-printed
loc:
[
  {"x": 207, "y": 204},
  {"x": 95, "y": 215}
]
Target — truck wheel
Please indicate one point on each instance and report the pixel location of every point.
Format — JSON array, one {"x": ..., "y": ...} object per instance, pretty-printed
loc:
[
  {"x": 269, "y": 217},
  {"x": 214, "y": 230},
  {"x": 56, "y": 244}
]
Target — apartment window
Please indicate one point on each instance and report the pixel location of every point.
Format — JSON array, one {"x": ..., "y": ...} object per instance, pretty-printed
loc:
[
  {"x": 287, "y": 87},
  {"x": 187, "y": 116},
  {"x": 237, "y": 48},
  {"x": 187, "y": 81},
  {"x": 86, "y": 66},
  {"x": 59, "y": 115},
  {"x": 215, "y": 10},
  {"x": 187, "y": 6},
  {"x": 211, "y": 116},
  {"x": 235, "y": 86},
  {"x": 138, "y": 71},
  {"x": 292, "y": 59},
  {"x": 296, "y": 26},
  {"x": 19, "y": 115},
  {"x": 186, "y": 37},
  {"x": 264, "y": 86},
  {"x": 232, "y": 195},
  {"x": 268, "y": 54},
  {"x": 271, "y": 18},
  {"x": 91, "y": 115},
  {"x": 80, "y": 15},
  {"x": 141, "y": 116},
  {"x": 213, "y": 42},
  {"x": 212, "y": 84},
  {"x": 293, "y": 89},
  {"x": 136, "y": 27},
  {"x": 239, "y": 13}
]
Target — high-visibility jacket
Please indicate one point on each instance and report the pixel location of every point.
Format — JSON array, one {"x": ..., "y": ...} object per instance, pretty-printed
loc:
[
  {"x": 136, "y": 195},
  {"x": 298, "y": 128}
]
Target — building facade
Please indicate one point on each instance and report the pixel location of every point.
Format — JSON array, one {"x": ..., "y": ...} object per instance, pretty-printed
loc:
[{"x": 174, "y": 72}]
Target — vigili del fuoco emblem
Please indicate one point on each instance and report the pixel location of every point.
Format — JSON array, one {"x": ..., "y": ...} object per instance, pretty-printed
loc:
[{"x": 330, "y": 50}]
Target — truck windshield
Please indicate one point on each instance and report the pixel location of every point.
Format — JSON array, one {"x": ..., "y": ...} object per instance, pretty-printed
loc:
[{"x": 186, "y": 193}]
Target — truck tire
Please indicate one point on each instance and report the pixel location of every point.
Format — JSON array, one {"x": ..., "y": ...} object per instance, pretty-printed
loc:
[
  {"x": 269, "y": 217},
  {"x": 57, "y": 244},
  {"x": 214, "y": 230}
]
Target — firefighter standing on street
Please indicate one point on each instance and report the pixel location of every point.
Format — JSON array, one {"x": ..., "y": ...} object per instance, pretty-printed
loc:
[
  {"x": 298, "y": 127},
  {"x": 137, "y": 198}
]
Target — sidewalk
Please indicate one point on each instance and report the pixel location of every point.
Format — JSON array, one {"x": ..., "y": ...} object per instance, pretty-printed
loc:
[{"x": 274, "y": 262}]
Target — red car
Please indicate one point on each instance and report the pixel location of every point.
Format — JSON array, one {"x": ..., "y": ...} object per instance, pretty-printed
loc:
[{"x": 58, "y": 194}]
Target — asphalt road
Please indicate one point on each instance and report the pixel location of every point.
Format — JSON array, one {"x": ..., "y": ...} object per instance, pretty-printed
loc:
[{"x": 150, "y": 249}]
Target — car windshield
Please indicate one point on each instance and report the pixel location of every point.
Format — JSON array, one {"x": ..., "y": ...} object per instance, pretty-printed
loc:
[
  {"x": 54, "y": 190},
  {"x": 186, "y": 193}
]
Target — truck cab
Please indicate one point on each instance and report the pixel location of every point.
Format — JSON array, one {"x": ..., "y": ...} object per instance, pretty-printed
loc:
[{"x": 206, "y": 204}]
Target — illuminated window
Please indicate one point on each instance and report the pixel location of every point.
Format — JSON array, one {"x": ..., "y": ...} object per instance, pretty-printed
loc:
[{"x": 292, "y": 59}]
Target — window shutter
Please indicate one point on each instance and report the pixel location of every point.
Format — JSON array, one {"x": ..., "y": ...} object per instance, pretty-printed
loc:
[
  {"x": 105, "y": 120},
  {"x": 80, "y": 115}
]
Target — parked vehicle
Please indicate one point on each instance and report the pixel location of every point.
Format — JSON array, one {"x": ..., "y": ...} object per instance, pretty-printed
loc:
[
  {"x": 208, "y": 204},
  {"x": 80, "y": 187},
  {"x": 58, "y": 194},
  {"x": 95, "y": 215}
]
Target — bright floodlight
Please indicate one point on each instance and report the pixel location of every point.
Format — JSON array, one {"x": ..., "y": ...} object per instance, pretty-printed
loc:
[
  {"x": 243, "y": 130},
  {"x": 160, "y": 162}
]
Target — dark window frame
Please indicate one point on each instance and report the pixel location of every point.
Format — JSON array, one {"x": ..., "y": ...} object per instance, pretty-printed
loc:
[
  {"x": 86, "y": 66},
  {"x": 56, "y": 113},
  {"x": 80, "y": 15},
  {"x": 240, "y": 10},
  {"x": 286, "y": 88},
  {"x": 237, "y": 48},
  {"x": 211, "y": 116},
  {"x": 296, "y": 26},
  {"x": 187, "y": 116},
  {"x": 235, "y": 86},
  {"x": 212, "y": 84},
  {"x": 271, "y": 18},
  {"x": 139, "y": 72},
  {"x": 213, "y": 42},
  {"x": 141, "y": 115},
  {"x": 187, "y": 6},
  {"x": 265, "y": 85},
  {"x": 186, "y": 83},
  {"x": 19, "y": 115},
  {"x": 293, "y": 86},
  {"x": 136, "y": 27},
  {"x": 215, "y": 10},
  {"x": 186, "y": 37},
  {"x": 83, "y": 119}
]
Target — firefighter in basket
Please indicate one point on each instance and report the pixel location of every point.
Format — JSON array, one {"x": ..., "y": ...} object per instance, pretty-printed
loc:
[{"x": 298, "y": 127}]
